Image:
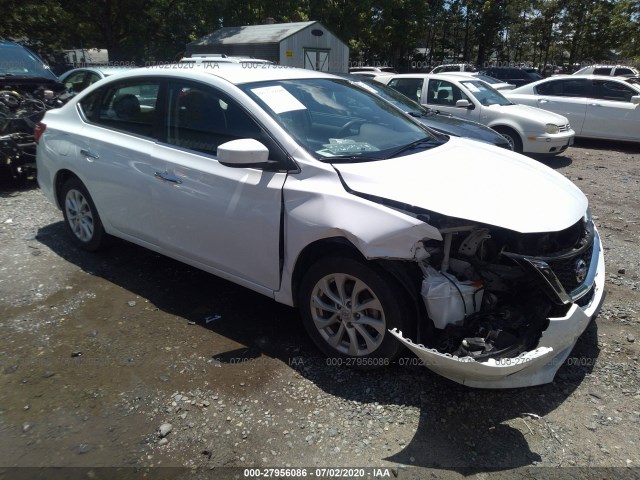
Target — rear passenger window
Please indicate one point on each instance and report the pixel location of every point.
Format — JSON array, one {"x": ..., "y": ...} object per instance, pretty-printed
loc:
[
  {"x": 411, "y": 87},
  {"x": 127, "y": 107},
  {"x": 564, "y": 88},
  {"x": 602, "y": 71}
]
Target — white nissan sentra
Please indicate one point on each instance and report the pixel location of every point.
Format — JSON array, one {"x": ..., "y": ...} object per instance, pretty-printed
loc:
[{"x": 298, "y": 185}]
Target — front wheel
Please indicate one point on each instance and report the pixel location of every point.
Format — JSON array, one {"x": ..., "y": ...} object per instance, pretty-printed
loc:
[
  {"x": 348, "y": 308},
  {"x": 512, "y": 137},
  {"x": 81, "y": 217}
]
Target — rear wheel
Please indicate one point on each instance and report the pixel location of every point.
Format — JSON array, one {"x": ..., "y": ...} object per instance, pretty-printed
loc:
[
  {"x": 348, "y": 308},
  {"x": 512, "y": 137},
  {"x": 81, "y": 217}
]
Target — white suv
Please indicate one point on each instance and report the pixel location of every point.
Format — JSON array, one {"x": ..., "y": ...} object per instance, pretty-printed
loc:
[
  {"x": 608, "y": 70},
  {"x": 454, "y": 67}
]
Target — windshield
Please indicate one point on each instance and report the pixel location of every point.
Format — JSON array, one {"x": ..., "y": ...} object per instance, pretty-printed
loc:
[
  {"x": 488, "y": 79},
  {"x": 17, "y": 61},
  {"x": 485, "y": 94},
  {"x": 337, "y": 121},
  {"x": 391, "y": 95}
]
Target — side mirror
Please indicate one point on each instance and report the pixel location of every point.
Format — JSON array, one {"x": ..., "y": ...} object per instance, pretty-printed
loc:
[
  {"x": 464, "y": 104},
  {"x": 243, "y": 153},
  {"x": 635, "y": 99}
]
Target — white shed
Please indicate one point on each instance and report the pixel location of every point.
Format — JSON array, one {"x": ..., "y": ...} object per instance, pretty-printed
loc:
[{"x": 300, "y": 44}]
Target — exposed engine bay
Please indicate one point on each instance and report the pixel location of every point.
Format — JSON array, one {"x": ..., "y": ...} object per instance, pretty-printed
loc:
[
  {"x": 22, "y": 105},
  {"x": 490, "y": 292}
]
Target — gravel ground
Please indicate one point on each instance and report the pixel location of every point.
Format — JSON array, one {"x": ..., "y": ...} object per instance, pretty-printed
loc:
[{"x": 129, "y": 359}]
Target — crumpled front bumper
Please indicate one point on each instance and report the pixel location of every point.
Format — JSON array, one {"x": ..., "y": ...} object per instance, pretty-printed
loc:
[{"x": 535, "y": 367}]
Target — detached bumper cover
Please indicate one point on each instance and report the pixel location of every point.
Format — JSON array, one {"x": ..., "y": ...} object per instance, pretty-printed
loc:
[{"x": 535, "y": 367}]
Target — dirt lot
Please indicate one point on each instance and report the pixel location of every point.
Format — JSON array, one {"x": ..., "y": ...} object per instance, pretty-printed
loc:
[{"x": 101, "y": 354}]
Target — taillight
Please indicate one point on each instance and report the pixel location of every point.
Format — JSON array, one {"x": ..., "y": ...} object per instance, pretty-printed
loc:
[{"x": 38, "y": 130}]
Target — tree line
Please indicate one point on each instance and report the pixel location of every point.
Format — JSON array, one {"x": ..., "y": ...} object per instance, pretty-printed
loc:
[{"x": 378, "y": 32}]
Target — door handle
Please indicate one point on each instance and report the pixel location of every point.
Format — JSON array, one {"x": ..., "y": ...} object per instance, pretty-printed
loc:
[
  {"x": 167, "y": 177},
  {"x": 595, "y": 105},
  {"x": 542, "y": 100},
  {"x": 89, "y": 154}
]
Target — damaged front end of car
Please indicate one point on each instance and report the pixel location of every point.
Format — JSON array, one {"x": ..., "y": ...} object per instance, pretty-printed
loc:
[
  {"x": 506, "y": 308},
  {"x": 22, "y": 106}
]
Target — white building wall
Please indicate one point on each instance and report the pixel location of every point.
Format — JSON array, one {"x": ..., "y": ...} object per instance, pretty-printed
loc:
[{"x": 292, "y": 50}]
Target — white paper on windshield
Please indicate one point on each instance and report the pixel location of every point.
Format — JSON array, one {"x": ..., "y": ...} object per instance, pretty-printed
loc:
[
  {"x": 472, "y": 87},
  {"x": 278, "y": 99}
]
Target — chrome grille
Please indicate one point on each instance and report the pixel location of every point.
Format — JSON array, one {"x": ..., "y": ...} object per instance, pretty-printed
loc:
[
  {"x": 565, "y": 269},
  {"x": 565, "y": 128}
]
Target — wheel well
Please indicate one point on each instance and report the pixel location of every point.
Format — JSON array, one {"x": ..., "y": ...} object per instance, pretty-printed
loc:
[
  {"x": 61, "y": 178},
  {"x": 506, "y": 128},
  {"x": 328, "y": 247},
  {"x": 406, "y": 273}
]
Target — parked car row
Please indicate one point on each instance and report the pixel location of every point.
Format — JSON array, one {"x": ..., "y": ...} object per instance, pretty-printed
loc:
[
  {"x": 597, "y": 106},
  {"x": 439, "y": 121},
  {"x": 383, "y": 233},
  {"x": 528, "y": 130}
]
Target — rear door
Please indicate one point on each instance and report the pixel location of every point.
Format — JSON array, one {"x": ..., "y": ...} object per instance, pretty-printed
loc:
[
  {"x": 566, "y": 96},
  {"x": 113, "y": 149}
]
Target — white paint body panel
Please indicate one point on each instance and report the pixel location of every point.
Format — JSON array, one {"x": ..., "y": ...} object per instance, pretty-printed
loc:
[
  {"x": 448, "y": 180},
  {"x": 250, "y": 225}
]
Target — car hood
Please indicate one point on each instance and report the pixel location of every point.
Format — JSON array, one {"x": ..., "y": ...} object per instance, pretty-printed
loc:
[
  {"x": 528, "y": 114},
  {"x": 473, "y": 181},
  {"x": 451, "y": 125}
]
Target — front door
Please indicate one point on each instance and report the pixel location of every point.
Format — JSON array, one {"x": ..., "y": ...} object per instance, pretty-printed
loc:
[{"x": 220, "y": 217}]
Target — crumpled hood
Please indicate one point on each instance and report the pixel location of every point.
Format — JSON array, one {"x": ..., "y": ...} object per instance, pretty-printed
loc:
[
  {"x": 474, "y": 181},
  {"x": 529, "y": 114}
]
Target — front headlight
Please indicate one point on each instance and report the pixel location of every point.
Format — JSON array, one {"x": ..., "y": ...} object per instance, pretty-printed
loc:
[{"x": 551, "y": 128}]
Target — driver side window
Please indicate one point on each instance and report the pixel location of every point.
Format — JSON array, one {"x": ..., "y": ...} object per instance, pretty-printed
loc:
[
  {"x": 201, "y": 118},
  {"x": 445, "y": 93}
]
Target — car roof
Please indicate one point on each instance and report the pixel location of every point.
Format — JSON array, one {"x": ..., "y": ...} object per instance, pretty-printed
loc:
[
  {"x": 222, "y": 59},
  {"x": 604, "y": 78},
  {"x": 608, "y": 78},
  {"x": 436, "y": 76},
  {"x": 234, "y": 73},
  {"x": 105, "y": 70}
]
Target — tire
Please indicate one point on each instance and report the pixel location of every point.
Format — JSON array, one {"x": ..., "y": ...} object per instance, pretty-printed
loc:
[
  {"x": 512, "y": 137},
  {"x": 344, "y": 331},
  {"x": 81, "y": 217}
]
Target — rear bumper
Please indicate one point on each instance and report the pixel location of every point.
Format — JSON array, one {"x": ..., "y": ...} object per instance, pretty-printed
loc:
[{"x": 534, "y": 367}]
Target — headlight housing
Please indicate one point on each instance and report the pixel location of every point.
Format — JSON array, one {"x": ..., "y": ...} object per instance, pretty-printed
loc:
[{"x": 551, "y": 128}]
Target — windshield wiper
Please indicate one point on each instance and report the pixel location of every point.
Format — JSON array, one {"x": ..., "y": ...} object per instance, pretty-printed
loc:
[
  {"x": 351, "y": 159},
  {"x": 423, "y": 142}
]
